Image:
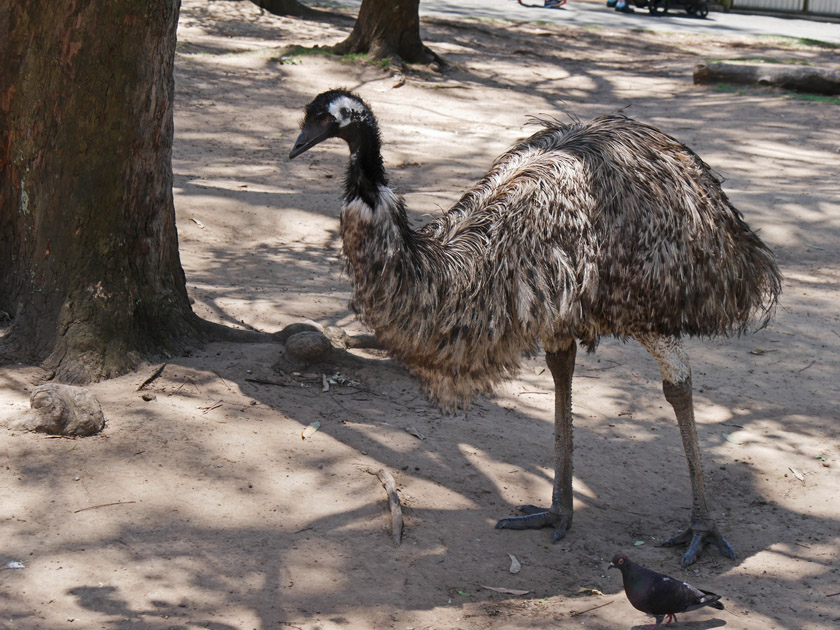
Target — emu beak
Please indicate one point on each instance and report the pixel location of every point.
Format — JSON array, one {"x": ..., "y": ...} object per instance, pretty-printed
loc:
[{"x": 311, "y": 134}]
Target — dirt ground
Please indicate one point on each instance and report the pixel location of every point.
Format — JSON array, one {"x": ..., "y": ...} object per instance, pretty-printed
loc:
[{"x": 204, "y": 508}]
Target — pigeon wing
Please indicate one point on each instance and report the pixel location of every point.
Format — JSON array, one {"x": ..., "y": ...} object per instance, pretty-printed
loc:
[{"x": 669, "y": 597}]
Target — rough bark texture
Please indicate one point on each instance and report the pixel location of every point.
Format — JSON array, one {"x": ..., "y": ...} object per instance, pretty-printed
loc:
[
  {"x": 89, "y": 268},
  {"x": 798, "y": 78},
  {"x": 388, "y": 28}
]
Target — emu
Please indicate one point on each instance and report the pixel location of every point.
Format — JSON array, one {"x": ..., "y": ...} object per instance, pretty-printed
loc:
[{"x": 582, "y": 230}]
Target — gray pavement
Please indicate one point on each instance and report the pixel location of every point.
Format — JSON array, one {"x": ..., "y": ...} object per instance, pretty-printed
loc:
[{"x": 580, "y": 13}]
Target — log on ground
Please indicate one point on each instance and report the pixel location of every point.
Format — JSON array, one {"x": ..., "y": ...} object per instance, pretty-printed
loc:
[{"x": 798, "y": 78}]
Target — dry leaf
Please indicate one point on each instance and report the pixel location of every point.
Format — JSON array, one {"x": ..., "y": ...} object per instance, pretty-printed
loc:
[
  {"x": 508, "y": 591},
  {"x": 589, "y": 591},
  {"x": 796, "y": 474},
  {"x": 515, "y": 565},
  {"x": 310, "y": 430},
  {"x": 729, "y": 438},
  {"x": 415, "y": 433},
  {"x": 325, "y": 384}
]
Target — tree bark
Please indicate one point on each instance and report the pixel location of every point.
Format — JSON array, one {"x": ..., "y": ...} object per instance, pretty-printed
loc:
[
  {"x": 798, "y": 78},
  {"x": 388, "y": 28},
  {"x": 90, "y": 273}
]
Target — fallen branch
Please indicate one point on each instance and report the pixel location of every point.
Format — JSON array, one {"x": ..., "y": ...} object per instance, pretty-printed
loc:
[
  {"x": 575, "y": 613},
  {"x": 260, "y": 381},
  {"x": 96, "y": 507},
  {"x": 798, "y": 78},
  {"x": 149, "y": 380},
  {"x": 393, "y": 503}
]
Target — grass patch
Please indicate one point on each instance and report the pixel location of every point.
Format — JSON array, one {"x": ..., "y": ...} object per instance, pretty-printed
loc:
[
  {"x": 773, "y": 60},
  {"x": 293, "y": 56},
  {"x": 814, "y": 98},
  {"x": 802, "y": 42},
  {"x": 729, "y": 88}
]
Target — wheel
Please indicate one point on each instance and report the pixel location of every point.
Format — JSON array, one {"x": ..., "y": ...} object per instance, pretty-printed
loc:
[
  {"x": 658, "y": 7},
  {"x": 702, "y": 10}
]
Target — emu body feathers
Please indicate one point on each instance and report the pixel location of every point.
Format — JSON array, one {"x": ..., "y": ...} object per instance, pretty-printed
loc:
[{"x": 603, "y": 228}]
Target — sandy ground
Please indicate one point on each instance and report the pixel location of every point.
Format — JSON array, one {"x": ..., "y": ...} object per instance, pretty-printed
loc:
[{"x": 204, "y": 508}]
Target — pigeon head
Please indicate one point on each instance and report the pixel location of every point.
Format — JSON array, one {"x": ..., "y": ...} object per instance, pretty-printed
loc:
[{"x": 620, "y": 561}]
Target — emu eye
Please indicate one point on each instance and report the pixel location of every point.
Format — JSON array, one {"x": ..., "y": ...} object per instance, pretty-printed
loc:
[{"x": 345, "y": 112}]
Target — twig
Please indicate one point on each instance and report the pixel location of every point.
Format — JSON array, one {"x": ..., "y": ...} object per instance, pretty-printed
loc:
[
  {"x": 834, "y": 594},
  {"x": 96, "y": 507},
  {"x": 575, "y": 613},
  {"x": 215, "y": 405},
  {"x": 149, "y": 380},
  {"x": 260, "y": 381},
  {"x": 807, "y": 366},
  {"x": 224, "y": 382},
  {"x": 187, "y": 379},
  {"x": 393, "y": 503}
]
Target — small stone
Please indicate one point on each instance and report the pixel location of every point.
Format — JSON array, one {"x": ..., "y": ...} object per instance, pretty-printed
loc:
[
  {"x": 308, "y": 347},
  {"x": 149, "y": 396}
]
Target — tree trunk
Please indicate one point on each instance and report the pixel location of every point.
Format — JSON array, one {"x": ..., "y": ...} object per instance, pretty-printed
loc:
[
  {"x": 90, "y": 274},
  {"x": 798, "y": 78},
  {"x": 388, "y": 28}
]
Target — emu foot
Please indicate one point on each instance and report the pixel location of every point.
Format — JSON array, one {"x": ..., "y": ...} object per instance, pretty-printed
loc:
[
  {"x": 537, "y": 518},
  {"x": 696, "y": 537}
]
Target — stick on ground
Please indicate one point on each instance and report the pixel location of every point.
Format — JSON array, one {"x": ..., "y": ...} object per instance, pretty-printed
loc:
[
  {"x": 149, "y": 380},
  {"x": 393, "y": 503}
]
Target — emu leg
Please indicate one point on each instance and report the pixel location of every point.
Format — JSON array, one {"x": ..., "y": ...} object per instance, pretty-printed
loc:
[
  {"x": 559, "y": 515},
  {"x": 676, "y": 384}
]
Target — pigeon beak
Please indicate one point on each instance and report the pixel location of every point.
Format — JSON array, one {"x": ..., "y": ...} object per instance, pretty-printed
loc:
[
  {"x": 311, "y": 134},
  {"x": 611, "y": 566}
]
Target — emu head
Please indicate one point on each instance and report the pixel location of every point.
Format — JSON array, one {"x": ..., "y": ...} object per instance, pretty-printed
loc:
[{"x": 335, "y": 114}]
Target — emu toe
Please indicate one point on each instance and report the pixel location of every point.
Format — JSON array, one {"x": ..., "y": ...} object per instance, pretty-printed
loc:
[
  {"x": 537, "y": 518},
  {"x": 696, "y": 538}
]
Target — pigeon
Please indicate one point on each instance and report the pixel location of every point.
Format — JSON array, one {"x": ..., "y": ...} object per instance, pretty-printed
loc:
[{"x": 659, "y": 595}]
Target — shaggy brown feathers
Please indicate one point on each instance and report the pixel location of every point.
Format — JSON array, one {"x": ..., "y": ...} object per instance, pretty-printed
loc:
[{"x": 582, "y": 230}]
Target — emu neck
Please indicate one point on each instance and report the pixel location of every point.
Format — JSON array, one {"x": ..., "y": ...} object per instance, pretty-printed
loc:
[
  {"x": 373, "y": 220},
  {"x": 366, "y": 172}
]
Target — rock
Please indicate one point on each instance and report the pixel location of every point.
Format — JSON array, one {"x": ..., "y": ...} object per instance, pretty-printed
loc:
[
  {"x": 340, "y": 339},
  {"x": 337, "y": 336},
  {"x": 308, "y": 347},
  {"x": 62, "y": 410},
  {"x": 292, "y": 329}
]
